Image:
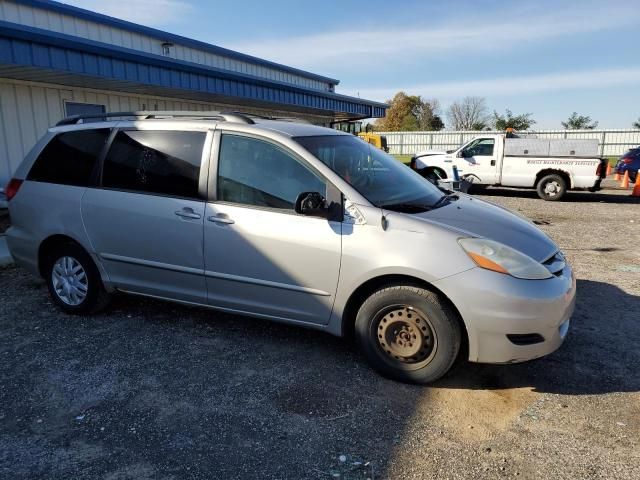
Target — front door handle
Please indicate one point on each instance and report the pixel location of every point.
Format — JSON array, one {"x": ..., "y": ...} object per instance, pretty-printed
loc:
[
  {"x": 188, "y": 213},
  {"x": 221, "y": 218},
  {"x": 493, "y": 163}
]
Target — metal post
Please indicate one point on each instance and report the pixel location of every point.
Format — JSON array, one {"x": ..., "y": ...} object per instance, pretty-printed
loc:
[{"x": 603, "y": 138}]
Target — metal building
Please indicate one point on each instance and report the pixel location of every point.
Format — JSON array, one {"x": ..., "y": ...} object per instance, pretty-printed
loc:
[{"x": 57, "y": 60}]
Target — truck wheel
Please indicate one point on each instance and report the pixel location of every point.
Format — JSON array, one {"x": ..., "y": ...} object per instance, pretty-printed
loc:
[
  {"x": 408, "y": 334},
  {"x": 74, "y": 281},
  {"x": 552, "y": 187}
]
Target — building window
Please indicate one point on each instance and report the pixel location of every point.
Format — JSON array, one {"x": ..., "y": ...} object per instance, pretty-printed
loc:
[
  {"x": 75, "y": 108},
  {"x": 166, "y": 49}
]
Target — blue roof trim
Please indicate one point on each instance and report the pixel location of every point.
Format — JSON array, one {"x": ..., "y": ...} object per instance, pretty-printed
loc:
[
  {"x": 166, "y": 36},
  {"x": 43, "y": 49}
]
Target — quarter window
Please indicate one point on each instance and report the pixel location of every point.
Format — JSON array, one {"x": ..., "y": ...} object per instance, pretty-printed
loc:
[
  {"x": 160, "y": 162},
  {"x": 254, "y": 172},
  {"x": 70, "y": 157}
]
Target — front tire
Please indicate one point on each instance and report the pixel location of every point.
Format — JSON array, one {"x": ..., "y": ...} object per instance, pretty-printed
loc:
[
  {"x": 552, "y": 187},
  {"x": 74, "y": 281},
  {"x": 408, "y": 334}
]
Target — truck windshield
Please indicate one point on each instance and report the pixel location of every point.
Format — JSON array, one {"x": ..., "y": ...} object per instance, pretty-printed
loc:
[{"x": 376, "y": 175}]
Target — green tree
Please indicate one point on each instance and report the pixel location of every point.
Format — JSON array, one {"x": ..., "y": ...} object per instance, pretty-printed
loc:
[
  {"x": 636, "y": 124},
  {"x": 579, "y": 122},
  {"x": 509, "y": 120},
  {"x": 410, "y": 113}
]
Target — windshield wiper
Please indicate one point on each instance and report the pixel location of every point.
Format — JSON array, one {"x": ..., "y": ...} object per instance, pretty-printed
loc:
[
  {"x": 445, "y": 199},
  {"x": 404, "y": 207}
]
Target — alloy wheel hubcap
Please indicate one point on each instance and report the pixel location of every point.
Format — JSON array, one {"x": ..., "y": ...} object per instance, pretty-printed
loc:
[
  {"x": 406, "y": 335},
  {"x": 69, "y": 281}
]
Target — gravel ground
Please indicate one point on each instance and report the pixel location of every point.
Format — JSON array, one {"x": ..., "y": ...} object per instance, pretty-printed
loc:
[{"x": 154, "y": 390}]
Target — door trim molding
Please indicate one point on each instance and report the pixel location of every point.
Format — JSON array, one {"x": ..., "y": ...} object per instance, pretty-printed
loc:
[
  {"x": 151, "y": 264},
  {"x": 265, "y": 283}
]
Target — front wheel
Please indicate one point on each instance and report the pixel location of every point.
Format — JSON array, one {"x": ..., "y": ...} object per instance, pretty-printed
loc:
[
  {"x": 408, "y": 334},
  {"x": 552, "y": 187}
]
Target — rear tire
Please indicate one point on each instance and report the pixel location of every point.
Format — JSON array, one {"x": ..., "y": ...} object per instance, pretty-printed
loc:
[
  {"x": 408, "y": 334},
  {"x": 74, "y": 281},
  {"x": 552, "y": 187}
]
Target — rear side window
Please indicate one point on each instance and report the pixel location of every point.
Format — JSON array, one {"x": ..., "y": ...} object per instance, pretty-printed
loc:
[
  {"x": 159, "y": 162},
  {"x": 69, "y": 158}
]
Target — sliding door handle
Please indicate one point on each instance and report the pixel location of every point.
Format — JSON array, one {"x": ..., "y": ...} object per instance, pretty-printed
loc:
[{"x": 188, "y": 213}]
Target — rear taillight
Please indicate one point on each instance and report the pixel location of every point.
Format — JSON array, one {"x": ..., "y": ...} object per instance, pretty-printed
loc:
[
  {"x": 12, "y": 188},
  {"x": 599, "y": 169}
]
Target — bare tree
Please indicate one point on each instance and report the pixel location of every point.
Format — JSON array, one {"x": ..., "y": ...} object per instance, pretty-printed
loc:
[
  {"x": 467, "y": 113},
  {"x": 636, "y": 124}
]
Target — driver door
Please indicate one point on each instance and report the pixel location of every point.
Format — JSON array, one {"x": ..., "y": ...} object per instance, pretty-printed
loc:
[
  {"x": 261, "y": 257},
  {"x": 480, "y": 159}
]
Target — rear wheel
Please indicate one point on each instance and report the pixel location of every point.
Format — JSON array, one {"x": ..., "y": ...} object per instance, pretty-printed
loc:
[
  {"x": 74, "y": 281},
  {"x": 552, "y": 187},
  {"x": 408, "y": 333}
]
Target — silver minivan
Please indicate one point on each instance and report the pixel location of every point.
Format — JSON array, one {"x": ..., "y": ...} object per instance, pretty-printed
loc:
[{"x": 290, "y": 222}]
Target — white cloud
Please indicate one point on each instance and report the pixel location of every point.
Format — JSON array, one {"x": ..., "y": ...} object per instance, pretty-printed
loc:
[
  {"x": 517, "y": 85},
  {"x": 155, "y": 13},
  {"x": 389, "y": 46}
]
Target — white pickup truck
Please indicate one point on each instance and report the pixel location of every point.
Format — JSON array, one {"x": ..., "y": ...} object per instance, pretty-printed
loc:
[{"x": 550, "y": 166}]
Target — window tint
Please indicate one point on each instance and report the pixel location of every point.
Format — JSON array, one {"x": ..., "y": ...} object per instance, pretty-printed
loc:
[
  {"x": 166, "y": 163},
  {"x": 479, "y": 147},
  {"x": 69, "y": 158},
  {"x": 253, "y": 172}
]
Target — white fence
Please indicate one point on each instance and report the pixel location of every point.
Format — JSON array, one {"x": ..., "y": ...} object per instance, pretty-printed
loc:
[{"x": 611, "y": 142}]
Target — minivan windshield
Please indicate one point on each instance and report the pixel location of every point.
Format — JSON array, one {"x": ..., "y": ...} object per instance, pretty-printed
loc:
[{"x": 376, "y": 175}]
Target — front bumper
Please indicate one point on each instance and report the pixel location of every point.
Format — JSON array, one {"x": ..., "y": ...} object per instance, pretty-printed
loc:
[{"x": 494, "y": 305}]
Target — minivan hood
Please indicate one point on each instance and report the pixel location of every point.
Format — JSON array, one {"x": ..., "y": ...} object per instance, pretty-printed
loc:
[{"x": 483, "y": 219}]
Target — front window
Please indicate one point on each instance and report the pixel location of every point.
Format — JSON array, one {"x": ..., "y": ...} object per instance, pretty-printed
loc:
[
  {"x": 257, "y": 173},
  {"x": 480, "y": 147},
  {"x": 378, "y": 176}
]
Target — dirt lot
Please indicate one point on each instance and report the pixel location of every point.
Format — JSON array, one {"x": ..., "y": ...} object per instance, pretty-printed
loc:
[{"x": 153, "y": 390}]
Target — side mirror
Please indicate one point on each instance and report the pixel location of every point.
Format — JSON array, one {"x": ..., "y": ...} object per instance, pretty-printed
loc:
[
  {"x": 312, "y": 204},
  {"x": 460, "y": 154}
]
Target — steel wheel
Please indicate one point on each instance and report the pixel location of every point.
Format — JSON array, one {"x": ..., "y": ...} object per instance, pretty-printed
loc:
[
  {"x": 552, "y": 189},
  {"x": 406, "y": 335},
  {"x": 69, "y": 281}
]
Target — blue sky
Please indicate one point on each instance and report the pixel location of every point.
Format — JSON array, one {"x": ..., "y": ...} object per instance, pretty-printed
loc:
[{"x": 550, "y": 58}]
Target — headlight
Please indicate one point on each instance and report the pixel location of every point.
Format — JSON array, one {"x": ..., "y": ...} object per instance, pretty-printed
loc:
[{"x": 500, "y": 258}]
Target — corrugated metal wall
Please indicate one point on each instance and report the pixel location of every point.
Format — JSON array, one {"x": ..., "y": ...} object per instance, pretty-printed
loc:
[
  {"x": 57, "y": 22},
  {"x": 27, "y": 109},
  {"x": 611, "y": 142}
]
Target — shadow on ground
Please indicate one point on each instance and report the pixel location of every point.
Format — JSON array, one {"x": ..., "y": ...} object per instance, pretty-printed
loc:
[
  {"x": 156, "y": 390},
  {"x": 620, "y": 196},
  {"x": 599, "y": 356}
]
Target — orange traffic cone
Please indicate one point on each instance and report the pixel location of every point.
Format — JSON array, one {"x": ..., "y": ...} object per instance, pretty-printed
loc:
[
  {"x": 636, "y": 186},
  {"x": 617, "y": 177},
  {"x": 608, "y": 169},
  {"x": 625, "y": 180}
]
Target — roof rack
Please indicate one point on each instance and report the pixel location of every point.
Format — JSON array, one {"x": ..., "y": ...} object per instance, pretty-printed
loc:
[{"x": 147, "y": 115}]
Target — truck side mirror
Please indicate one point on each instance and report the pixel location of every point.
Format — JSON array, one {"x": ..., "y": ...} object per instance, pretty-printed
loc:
[
  {"x": 460, "y": 154},
  {"x": 312, "y": 204}
]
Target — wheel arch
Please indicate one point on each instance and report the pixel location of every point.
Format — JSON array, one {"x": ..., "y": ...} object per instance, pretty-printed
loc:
[
  {"x": 49, "y": 245},
  {"x": 362, "y": 292}
]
